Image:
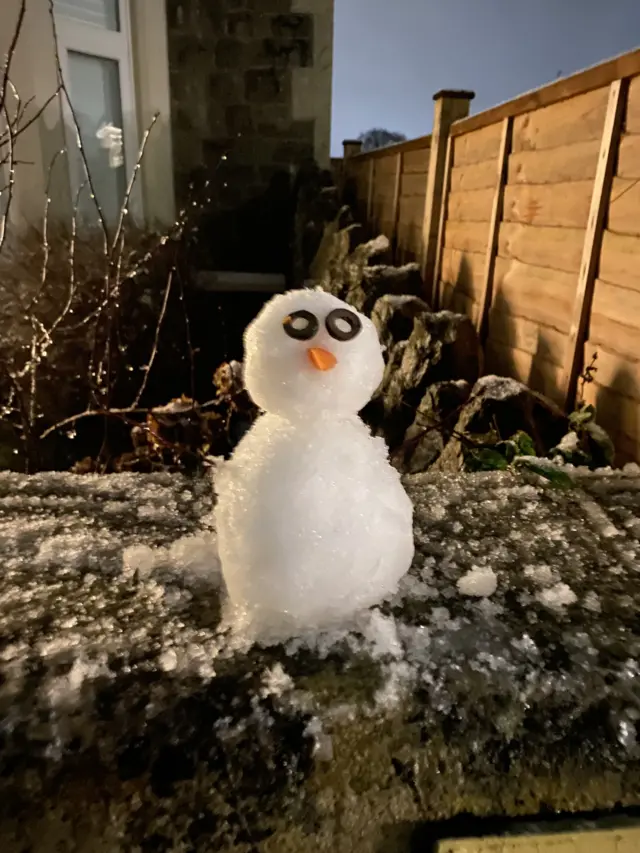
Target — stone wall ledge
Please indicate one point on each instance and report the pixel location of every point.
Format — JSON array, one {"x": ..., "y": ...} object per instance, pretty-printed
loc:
[{"x": 129, "y": 721}]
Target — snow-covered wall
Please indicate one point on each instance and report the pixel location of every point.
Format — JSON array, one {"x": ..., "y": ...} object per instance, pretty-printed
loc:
[{"x": 502, "y": 679}]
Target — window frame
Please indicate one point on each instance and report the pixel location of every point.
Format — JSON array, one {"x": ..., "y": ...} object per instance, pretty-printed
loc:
[{"x": 101, "y": 43}]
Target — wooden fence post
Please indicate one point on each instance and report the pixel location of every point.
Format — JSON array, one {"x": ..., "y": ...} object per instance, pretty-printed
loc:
[
  {"x": 449, "y": 107},
  {"x": 494, "y": 228},
  {"x": 371, "y": 176},
  {"x": 436, "y": 295},
  {"x": 593, "y": 240},
  {"x": 395, "y": 210},
  {"x": 350, "y": 147}
]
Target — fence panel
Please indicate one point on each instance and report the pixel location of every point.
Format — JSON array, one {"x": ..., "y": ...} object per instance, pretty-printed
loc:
[{"x": 539, "y": 237}]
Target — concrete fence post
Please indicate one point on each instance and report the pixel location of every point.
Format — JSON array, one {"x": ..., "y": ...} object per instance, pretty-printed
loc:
[{"x": 450, "y": 106}]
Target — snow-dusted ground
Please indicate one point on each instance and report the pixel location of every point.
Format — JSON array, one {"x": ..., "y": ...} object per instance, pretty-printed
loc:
[{"x": 510, "y": 652}]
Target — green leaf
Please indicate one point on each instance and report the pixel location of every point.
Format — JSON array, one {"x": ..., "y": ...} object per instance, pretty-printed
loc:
[
  {"x": 582, "y": 416},
  {"x": 554, "y": 475},
  {"x": 486, "y": 459},
  {"x": 524, "y": 443}
]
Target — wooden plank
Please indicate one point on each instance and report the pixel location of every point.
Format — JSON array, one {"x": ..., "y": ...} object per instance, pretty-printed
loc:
[
  {"x": 494, "y": 227},
  {"x": 416, "y": 161},
  {"x": 620, "y": 260},
  {"x": 370, "y": 187},
  {"x": 619, "y": 415},
  {"x": 473, "y": 206},
  {"x": 632, "y": 119},
  {"x": 477, "y": 176},
  {"x": 386, "y": 166},
  {"x": 624, "y": 207},
  {"x": 528, "y": 336},
  {"x": 626, "y": 65},
  {"x": 559, "y": 165},
  {"x": 556, "y": 248},
  {"x": 617, "y": 337},
  {"x": 418, "y": 144},
  {"x": 466, "y": 236},
  {"x": 617, "y": 303},
  {"x": 629, "y": 157},
  {"x": 436, "y": 292},
  {"x": 477, "y": 146},
  {"x": 575, "y": 120},
  {"x": 614, "y": 372},
  {"x": 535, "y": 293},
  {"x": 458, "y": 302},
  {"x": 533, "y": 370},
  {"x": 395, "y": 207},
  {"x": 593, "y": 239},
  {"x": 564, "y": 205},
  {"x": 463, "y": 270},
  {"x": 411, "y": 210},
  {"x": 414, "y": 184}
]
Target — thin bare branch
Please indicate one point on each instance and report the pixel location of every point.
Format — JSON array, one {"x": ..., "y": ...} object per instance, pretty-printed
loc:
[
  {"x": 10, "y": 53},
  {"x": 156, "y": 339}
]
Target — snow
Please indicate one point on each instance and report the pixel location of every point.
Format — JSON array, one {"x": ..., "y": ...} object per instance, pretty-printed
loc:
[
  {"x": 313, "y": 522},
  {"x": 478, "y": 582},
  {"x": 557, "y": 597},
  {"x": 498, "y": 387},
  {"x": 82, "y": 588}
]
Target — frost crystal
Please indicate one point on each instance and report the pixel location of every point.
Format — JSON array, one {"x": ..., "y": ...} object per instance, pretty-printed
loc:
[
  {"x": 479, "y": 582},
  {"x": 557, "y": 597}
]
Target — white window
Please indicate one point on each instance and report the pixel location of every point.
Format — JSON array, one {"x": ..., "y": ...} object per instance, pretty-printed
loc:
[{"x": 94, "y": 42}]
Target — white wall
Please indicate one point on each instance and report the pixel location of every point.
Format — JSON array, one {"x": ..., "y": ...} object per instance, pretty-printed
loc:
[{"x": 33, "y": 71}]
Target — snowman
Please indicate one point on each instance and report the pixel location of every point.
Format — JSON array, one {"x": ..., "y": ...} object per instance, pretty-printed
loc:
[{"x": 313, "y": 522}]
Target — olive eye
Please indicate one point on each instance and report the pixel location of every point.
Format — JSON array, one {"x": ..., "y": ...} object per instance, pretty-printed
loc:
[
  {"x": 343, "y": 325},
  {"x": 301, "y": 325}
]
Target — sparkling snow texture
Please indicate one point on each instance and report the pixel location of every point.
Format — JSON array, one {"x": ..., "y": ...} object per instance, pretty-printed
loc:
[{"x": 313, "y": 522}]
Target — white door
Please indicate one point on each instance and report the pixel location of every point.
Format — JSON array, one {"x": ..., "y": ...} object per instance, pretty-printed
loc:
[{"x": 94, "y": 42}]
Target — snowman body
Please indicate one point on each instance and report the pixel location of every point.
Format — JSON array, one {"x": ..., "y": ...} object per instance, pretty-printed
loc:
[{"x": 313, "y": 523}]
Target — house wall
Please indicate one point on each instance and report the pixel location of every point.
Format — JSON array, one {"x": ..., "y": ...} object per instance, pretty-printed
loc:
[
  {"x": 33, "y": 73},
  {"x": 251, "y": 100}
]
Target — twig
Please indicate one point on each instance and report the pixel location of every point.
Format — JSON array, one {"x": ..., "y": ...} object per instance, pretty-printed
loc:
[
  {"x": 156, "y": 339},
  {"x": 10, "y": 53},
  {"x": 5, "y": 216}
]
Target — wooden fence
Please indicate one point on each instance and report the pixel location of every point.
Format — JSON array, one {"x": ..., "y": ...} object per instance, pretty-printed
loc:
[{"x": 537, "y": 226}]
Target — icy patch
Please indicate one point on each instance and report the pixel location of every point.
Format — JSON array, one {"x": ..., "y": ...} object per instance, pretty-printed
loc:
[
  {"x": 478, "y": 582},
  {"x": 557, "y": 597},
  {"x": 196, "y": 557},
  {"x": 592, "y": 602},
  {"x": 382, "y": 633},
  {"x": 275, "y": 682},
  {"x": 141, "y": 559}
]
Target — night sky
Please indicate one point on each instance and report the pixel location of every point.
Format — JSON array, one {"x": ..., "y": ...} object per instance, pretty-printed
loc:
[{"x": 390, "y": 56}]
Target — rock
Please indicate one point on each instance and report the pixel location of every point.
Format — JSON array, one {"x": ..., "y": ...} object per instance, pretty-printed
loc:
[
  {"x": 433, "y": 425},
  {"x": 393, "y": 317},
  {"x": 381, "y": 279},
  {"x": 441, "y": 347},
  {"x": 502, "y": 407},
  {"x": 131, "y": 721},
  {"x": 342, "y": 262}
]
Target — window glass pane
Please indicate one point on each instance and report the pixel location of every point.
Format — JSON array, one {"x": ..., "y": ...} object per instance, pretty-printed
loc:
[
  {"x": 94, "y": 86},
  {"x": 100, "y": 13}
]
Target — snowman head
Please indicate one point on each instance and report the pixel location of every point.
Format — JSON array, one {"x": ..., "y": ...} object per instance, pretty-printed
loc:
[{"x": 309, "y": 354}]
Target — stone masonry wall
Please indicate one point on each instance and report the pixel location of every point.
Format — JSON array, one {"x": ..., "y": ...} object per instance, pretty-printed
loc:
[{"x": 233, "y": 66}]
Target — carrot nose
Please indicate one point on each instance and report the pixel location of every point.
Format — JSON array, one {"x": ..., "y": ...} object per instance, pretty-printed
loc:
[{"x": 321, "y": 359}]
